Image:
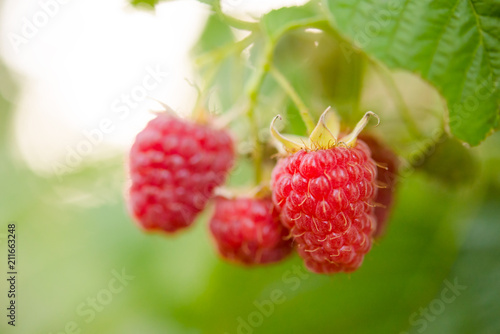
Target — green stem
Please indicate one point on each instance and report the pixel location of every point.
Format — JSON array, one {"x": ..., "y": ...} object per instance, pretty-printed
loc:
[
  {"x": 223, "y": 52},
  {"x": 200, "y": 113},
  {"x": 358, "y": 84},
  {"x": 253, "y": 96},
  {"x": 232, "y": 21},
  {"x": 405, "y": 113},
  {"x": 215, "y": 58},
  {"x": 301, "y": 106}
]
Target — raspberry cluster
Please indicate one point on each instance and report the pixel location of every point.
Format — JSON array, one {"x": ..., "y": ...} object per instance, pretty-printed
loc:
[{"x": 324, "y": 198}]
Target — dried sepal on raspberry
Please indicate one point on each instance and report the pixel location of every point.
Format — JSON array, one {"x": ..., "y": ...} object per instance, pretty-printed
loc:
[
  {"x": 324, "y": 136},
  {"x": 175, "y": 164},
  {"x": 324, "y": 189}
]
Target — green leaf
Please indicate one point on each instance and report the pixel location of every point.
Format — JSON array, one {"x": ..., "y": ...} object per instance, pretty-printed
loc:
[
  {"x": 145, "y": 3},
  {"x": 454, "y": 44},
  {"x": 216, "y": 34},
  {"x": 218, "y": 62},
  {"x": 152, "y": 3},
  {"x": 277, "y": 22}
]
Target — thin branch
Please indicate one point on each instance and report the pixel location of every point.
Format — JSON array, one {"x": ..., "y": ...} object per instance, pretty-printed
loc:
[
  {"x": 232, "y": 21},
  {"x": 221, "y": 53},
  {"x": 253, "y": 96},
  {"x": 301, "y": 106}
]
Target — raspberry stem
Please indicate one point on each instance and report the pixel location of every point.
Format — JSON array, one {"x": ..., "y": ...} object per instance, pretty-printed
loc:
[
  {"x": 215, "y": 59},
  {"x": 232, "y": 21},
  {"x": 288, "y": 88},
  {"x": 199, "y": 113},
  {"x": 253, "y": 99},
  {"x": 219, "y": 54}
]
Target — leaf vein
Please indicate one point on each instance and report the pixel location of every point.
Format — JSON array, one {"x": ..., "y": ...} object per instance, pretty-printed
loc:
[
  {"x": 481, "y": 38},
  {"x": 440, "y": 37},
  {"x": 394, "y": 31},
  {"x": 464, "y": 82}
]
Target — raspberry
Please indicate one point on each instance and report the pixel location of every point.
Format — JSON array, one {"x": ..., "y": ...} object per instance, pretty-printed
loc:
[
  {"x": 388, "y": 164},
  {"x": 248, "y": 231},
  {"x": 174, "y": 166},
  {"x": 324, "y": 191}
]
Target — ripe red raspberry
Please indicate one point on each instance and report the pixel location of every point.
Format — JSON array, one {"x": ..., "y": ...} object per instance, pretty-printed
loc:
[
  {"x": 325, "y": 199},
  {"x": 388, "y": 164},
  {"x": 248, "y": 231},
  {"x": 324, "y": 190},
  {"x": 175, "y": 165}
]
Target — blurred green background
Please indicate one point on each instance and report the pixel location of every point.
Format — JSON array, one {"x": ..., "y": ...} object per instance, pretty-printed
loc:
[{"x": 75, "y": 236}]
